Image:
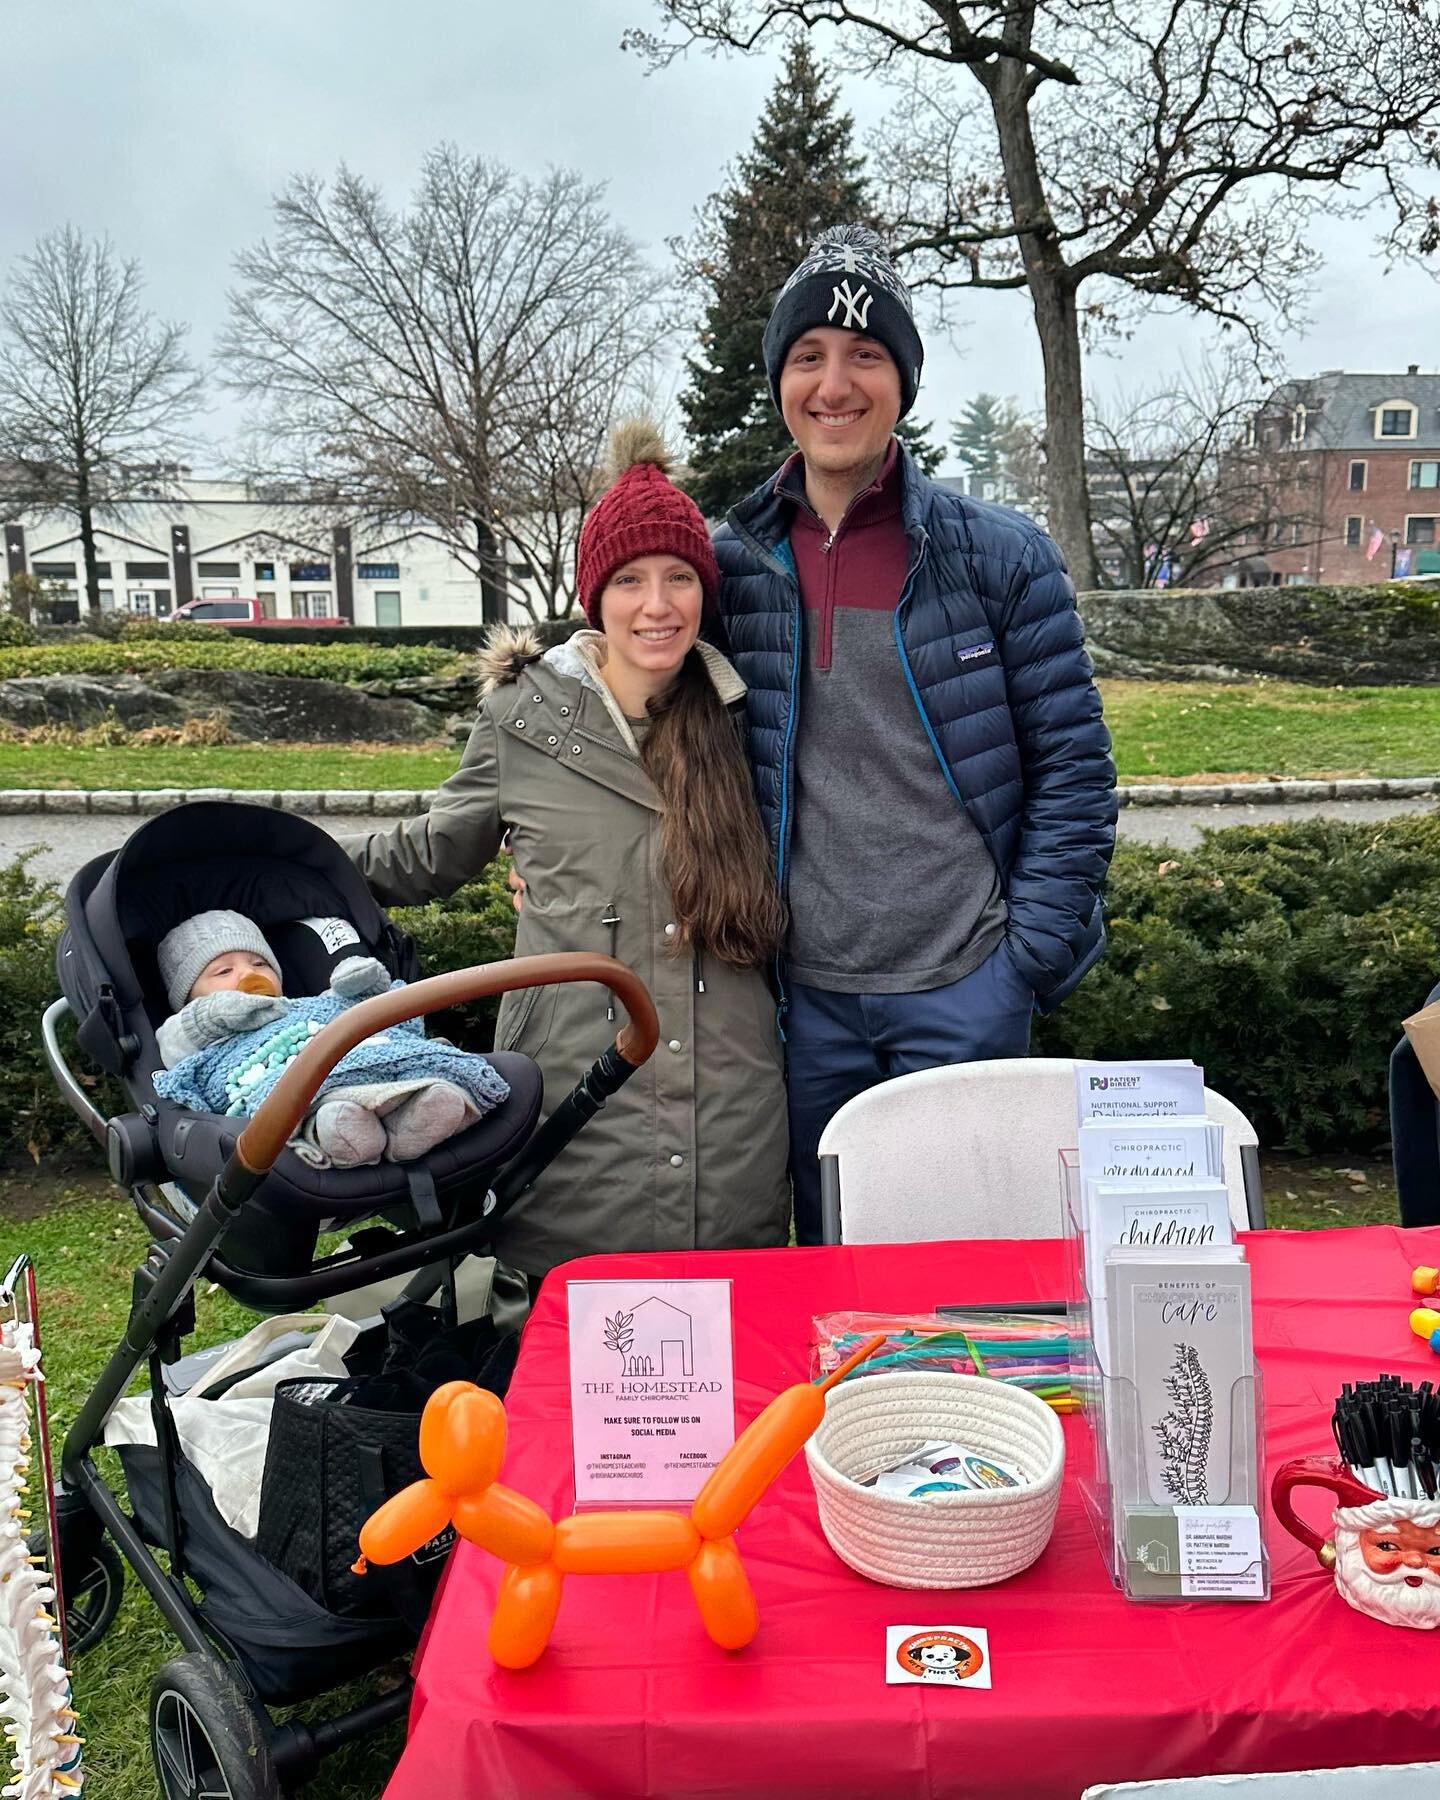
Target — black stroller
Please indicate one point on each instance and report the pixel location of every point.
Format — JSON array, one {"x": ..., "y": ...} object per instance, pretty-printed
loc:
[{"x": 224, "y": 1197}]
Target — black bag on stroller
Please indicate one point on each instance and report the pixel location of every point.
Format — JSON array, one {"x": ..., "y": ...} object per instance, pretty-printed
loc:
[{"x": 339, "y": 1449}]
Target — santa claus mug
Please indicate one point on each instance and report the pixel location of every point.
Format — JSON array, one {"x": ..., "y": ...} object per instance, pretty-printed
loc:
[{"x": 1385, "y": 1552}]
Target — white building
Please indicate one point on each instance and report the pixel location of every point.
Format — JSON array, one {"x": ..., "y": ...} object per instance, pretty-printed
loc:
[{"x": 214, "y": 539}]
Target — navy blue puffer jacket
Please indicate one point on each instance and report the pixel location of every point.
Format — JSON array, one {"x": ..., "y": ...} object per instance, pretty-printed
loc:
[{"x": 993, "y": 650}]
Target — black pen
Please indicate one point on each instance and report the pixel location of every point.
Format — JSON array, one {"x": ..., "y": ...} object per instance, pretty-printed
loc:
[
  {"x": 1424, "y": 1468},
  {"x": 1047, "y": 1308}
]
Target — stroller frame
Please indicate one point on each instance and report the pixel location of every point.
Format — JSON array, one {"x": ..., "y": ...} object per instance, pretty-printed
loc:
[{"x": 281, "y": 1757}]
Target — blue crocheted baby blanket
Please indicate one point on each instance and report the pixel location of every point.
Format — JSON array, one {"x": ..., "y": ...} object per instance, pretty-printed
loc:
[{"x": 236, "y": 1074}]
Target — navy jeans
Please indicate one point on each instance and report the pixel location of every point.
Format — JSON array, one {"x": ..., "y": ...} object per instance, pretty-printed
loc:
[{"x": 837, "y": 1045}]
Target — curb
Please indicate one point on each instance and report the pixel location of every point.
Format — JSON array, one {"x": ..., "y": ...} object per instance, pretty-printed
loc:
[{"x": 404, "y": 802}]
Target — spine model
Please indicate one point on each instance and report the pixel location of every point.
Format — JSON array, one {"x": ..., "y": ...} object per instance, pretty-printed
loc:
[{"x": 35, "y": 1710}]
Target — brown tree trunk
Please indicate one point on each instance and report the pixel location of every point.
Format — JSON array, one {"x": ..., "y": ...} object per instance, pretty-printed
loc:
[
  {"x": 492, "y": 591},
  {"x": 1052, "y": 294},
  {"x": 87, "y": 542}
]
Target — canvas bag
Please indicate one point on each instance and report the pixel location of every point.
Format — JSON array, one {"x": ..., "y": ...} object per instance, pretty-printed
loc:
[{"x": 225, "y": 1438}]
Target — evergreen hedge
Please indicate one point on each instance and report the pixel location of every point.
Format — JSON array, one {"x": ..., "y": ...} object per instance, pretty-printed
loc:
[
  {"x": 1281, "y": 957},
  {"x": 342, "y": 662}
]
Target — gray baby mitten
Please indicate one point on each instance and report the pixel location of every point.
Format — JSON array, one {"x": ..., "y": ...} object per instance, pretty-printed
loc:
[
  {"x": 358, "y": 977},
  {"x": 212, "y": 1017}
]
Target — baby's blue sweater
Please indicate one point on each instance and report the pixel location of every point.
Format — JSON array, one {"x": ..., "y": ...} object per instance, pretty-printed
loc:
[{"x": 237, "y": 1073}]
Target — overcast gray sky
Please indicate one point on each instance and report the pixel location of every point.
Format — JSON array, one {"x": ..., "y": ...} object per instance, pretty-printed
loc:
[{"x": 168, "y": 124}]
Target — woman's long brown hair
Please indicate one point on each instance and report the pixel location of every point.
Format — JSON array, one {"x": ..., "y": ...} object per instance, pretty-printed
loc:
[{"x": 712, "y": 843}]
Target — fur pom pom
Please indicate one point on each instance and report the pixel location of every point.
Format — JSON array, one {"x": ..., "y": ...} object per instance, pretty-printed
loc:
[
  {"x": 853, "y": 237},
  {"x": 637, "y": 441}
]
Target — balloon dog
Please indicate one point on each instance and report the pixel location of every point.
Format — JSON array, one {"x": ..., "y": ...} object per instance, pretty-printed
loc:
[{"x": 462, "y": 1445}]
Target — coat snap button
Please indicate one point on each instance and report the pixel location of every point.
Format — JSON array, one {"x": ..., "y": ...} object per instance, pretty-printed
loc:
[
  {"x": 675, "y": 1044},
  {"x": 677, "y": 1162},
  {"x": 574, "y": 749},
  {"x": 669, "y": 931},
  {"x": 537, "y": 698},
  {"x": 564, "y": 712},
  {"x": 553, "y": 740},
  {"x": 519, "y": 724}
]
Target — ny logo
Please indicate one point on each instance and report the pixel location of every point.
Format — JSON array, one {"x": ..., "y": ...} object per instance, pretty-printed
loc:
[{"x": 857, "y": 306}]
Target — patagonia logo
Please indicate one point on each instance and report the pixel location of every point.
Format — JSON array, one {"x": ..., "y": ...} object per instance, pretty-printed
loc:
[{"x": 972, "y": 652}]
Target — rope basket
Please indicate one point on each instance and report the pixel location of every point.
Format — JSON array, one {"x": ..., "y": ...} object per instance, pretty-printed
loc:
[{"x": 963, "y": 1540}]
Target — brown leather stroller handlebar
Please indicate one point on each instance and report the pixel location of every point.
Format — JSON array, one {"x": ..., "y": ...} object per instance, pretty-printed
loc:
[{"x": 274, "y": 1124}]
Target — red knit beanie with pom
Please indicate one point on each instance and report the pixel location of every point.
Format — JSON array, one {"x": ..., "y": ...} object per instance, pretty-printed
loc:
[{"x": 642, "y": 513}]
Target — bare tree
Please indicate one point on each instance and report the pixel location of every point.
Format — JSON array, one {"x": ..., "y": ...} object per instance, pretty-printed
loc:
[
  {"x": 1177, "y": 493},
  {"x": 1104, "y": 152},
  {"x": 92, "y": 387},
  {"x": 453, "y": 367}
]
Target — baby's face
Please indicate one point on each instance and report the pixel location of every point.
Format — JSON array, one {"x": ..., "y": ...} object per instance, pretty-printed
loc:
[{"x": 230, "y": 969}]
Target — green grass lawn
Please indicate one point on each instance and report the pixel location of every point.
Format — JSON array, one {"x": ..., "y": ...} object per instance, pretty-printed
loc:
[
  {"x": 1175, "y": 729},
  {"x": 225, "y": 766},
  {"x": 84, "y": 1240},
  {"x": 1162, "y": 731}
]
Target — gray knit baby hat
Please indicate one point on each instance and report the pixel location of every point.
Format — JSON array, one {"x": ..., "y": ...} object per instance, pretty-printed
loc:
[{"x": 184, "y": 952}]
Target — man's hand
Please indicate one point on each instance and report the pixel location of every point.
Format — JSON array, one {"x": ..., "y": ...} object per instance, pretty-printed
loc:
[{"x": 515, "y": 881}]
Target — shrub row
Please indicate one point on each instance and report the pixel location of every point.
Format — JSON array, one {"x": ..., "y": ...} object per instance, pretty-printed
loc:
[
  {"x": 348, "y": 662},
  {"x": 1281, "y": 957}
]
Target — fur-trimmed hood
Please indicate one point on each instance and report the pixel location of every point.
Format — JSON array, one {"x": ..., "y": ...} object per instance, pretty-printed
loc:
[{"x": 509, "y": 651}]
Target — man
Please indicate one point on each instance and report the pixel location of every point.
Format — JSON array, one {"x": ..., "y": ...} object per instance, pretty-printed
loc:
[{"x": 924, "y": 726}]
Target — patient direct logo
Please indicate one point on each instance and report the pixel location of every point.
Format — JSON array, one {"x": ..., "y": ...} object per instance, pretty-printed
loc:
[{"x": 1099, "y": 1083}]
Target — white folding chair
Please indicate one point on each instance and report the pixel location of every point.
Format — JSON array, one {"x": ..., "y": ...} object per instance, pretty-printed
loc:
[
  {"x": 1376, "y": 1781},
  {"x": 972, "y": 1150}
]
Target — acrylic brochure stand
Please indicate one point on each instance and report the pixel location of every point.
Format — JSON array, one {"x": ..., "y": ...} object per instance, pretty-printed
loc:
[{"x": 1153, "y": 1550}]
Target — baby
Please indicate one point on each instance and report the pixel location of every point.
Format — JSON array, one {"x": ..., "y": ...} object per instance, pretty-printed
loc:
[{"x": 398, "y": 1094}]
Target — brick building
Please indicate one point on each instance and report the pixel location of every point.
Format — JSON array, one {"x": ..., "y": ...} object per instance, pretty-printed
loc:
[{"x": 1356, "y": 459}]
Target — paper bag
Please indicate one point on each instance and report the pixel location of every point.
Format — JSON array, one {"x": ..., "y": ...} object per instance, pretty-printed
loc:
[{"x": 1423, "y": 1031}]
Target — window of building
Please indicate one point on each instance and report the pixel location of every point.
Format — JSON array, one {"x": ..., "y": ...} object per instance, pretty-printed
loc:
[
  {"x": 1300, "y": 580},
  {"x": 387, "y": 608},
  {"x": 218, "y": 571},
  {"x": 1420, "y": 530},
  {"x": 312, "y": 605},
  {"x": 1425, "y": 474},
  {"x": 1352, "y": 531},
  {"x": 265, "y": 571},
  {"x": 147, "y": 571},
  {"x": 377, "y": 571},
  {"x": 142, "y": 602},
  {"x": 1297, "y": 532},
  {"x": 53, "y": 571},
  {"x": 1395, "y": 420},
  {"x": 162, "y": 603},
  {"x": 1358, "y": 473},
  {"x": 1298, "y": 421},
  {"x": 107, "y": 597},
  {"x": 1249, "y": 436},
  {"x": 309, "y": 572}
]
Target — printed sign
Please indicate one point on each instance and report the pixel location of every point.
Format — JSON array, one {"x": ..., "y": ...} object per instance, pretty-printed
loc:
[
  {"x": 1129, "y": 1092},
  {"x": 652, "y": 1394},
  {"x": 937, "y": 1655}
]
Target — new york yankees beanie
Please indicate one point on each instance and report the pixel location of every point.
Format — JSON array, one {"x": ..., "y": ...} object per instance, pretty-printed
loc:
[{"x": 848, "y": 280}]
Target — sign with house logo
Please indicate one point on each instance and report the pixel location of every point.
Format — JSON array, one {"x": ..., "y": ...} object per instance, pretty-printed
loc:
[{"x": 652, "y": 1393}]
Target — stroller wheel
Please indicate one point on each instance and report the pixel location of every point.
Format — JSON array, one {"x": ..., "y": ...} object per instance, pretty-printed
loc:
[
  {"x": 94, "y": 1585},
  {"x": 207, "y": 1741}
]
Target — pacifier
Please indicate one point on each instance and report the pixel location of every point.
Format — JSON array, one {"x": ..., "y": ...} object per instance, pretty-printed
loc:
[{"x": 257, "y": 983}]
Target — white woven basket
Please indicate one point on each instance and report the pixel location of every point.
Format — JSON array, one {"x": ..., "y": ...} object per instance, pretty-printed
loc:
[{"x": 943, "y": 1540}]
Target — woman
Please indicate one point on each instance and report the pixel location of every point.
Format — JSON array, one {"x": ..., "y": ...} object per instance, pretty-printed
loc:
[{"x": 616, "y": 762}]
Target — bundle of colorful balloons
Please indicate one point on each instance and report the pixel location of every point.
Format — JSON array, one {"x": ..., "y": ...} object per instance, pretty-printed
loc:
[{"x": 35, "y": 1706}]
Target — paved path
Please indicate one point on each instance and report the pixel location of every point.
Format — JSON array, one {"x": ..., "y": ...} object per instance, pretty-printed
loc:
[{"x": 73, "y": 840}]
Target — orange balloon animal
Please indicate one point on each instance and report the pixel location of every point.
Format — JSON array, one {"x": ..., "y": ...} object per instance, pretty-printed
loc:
[{"x": 462, "y": 1446}]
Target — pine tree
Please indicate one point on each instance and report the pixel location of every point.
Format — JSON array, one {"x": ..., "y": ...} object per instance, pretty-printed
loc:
[
  {"x": 800, "y": 174},
  {"x": 996, "y": 442}
]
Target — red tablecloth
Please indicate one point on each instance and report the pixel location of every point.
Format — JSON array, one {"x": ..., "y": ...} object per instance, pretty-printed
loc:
[{"x": 631, "y": 1698}]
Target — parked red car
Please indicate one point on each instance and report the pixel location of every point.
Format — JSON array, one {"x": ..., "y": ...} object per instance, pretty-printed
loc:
[{"x": 239, "y": 612}]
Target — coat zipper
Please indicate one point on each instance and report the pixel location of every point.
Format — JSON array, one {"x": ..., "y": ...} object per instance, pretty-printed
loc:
[{"x": 611, "y": 919}]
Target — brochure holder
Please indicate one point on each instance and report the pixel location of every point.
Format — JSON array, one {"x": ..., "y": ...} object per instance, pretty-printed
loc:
[{"x": 1140, "y": 1540}]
